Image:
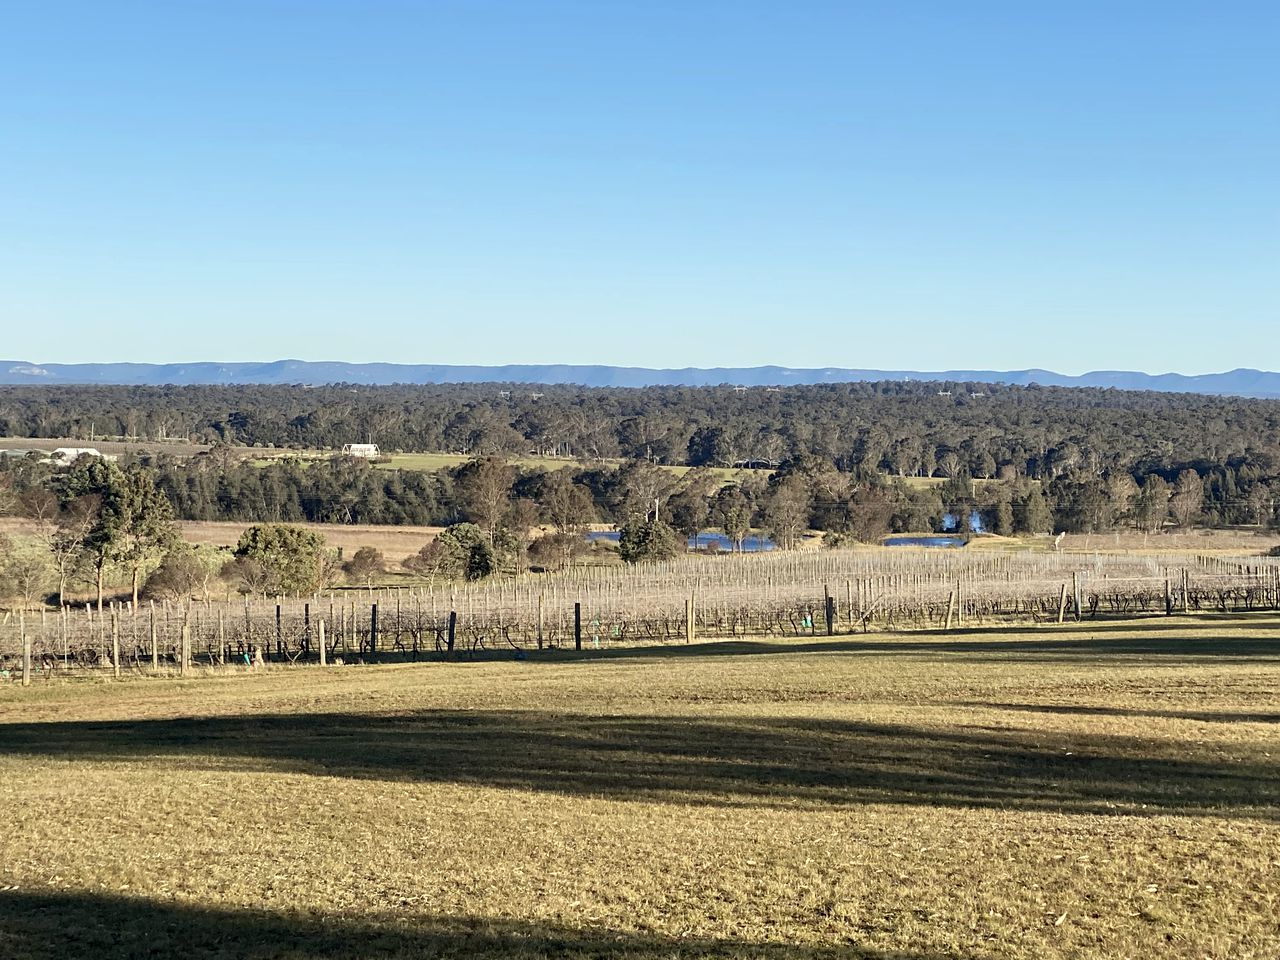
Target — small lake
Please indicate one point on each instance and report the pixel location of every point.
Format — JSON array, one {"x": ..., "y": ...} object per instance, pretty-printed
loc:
[
  {"x": 923, "y": 541},
  {"x": 751, "y": 544}
]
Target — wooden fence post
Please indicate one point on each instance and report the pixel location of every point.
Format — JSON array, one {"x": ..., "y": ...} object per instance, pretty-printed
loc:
[
  {"x": 324, "y": 656},
  {"x": 155, "y": 643},
  {"x": 373, "y": 629},
  {"x": 453, "y": 629},
  {"x": 951, "y": 609},
  {"x": 184, "y": 655},
  {"x": 1062, "y": 603},
  {"x": 26, "y": 648},
  {"x": 115, "y": 644},
  {"x": 539, "y": 621},
  {"x": 577, "y": 626}
]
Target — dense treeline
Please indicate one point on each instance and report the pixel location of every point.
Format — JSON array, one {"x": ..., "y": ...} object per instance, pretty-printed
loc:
[
  {"x": 905, "y": 429},
  {"x": 838, "y": 459},
  {"x": 96, "y": 519},
  {"x": 803, "y": 493}
]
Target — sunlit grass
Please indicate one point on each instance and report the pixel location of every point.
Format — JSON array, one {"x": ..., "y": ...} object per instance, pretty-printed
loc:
[{"x": 1095, "y": 790}]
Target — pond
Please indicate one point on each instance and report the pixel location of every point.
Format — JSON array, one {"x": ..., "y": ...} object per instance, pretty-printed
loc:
[
  {"x": 751, "y": 544},
  {"x": 924, "y": 541}
]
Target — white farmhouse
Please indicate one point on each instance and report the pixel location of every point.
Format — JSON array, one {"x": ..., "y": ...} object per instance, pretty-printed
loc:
[{"x": 365, "y": 451}]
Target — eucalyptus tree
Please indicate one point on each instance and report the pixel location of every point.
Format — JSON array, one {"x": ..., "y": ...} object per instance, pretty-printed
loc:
[
  {"x": 279, "y": 558},
  {"x": 732, "y": 513}
]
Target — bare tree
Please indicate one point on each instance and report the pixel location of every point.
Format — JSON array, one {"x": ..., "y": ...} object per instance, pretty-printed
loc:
[
  {"x": 642, "y": 487},
  {"x": 786, "y": 511},
  {"x": 76, "y": 521},
  {"x": 567, "y": 505},
  {"x": 484, "y": 487},
  {"x": 949, "y": 463},
  {"x": 26, "y": 571},
  {"x": 1188, "y": 498}
]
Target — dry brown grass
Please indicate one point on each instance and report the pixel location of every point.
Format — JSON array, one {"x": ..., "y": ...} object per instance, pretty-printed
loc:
[
  {"x": 1087, "y": 791},
  {"x": 396, "y": 542},
  {"x": 18, "y": 527},
  {"x": 1236, "y": 541}
]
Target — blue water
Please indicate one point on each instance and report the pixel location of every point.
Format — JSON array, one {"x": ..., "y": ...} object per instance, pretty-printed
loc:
[
  {"x": 923, "y": 542},
  {"x": 975, "y": 521},
  {"x": 751, "y": 544}
]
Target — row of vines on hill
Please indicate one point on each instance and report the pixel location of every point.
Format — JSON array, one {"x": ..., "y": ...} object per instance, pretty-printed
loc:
[{"x": 753, "y": 596}]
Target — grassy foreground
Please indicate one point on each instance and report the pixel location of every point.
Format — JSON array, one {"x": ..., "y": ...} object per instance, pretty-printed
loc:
[{"x": 1098, "y": 790}]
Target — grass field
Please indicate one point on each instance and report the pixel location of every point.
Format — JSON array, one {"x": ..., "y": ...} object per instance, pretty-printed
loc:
[
  {"x": 440, "y": 461},
  {"x": 396, "y": 542},
  {"x": 1100, "y": 790}
]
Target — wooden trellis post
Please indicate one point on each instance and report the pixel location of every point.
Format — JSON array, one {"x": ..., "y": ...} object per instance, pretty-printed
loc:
[
  {"x": 26, "y": 648},
  {"x": 115, "y": 643},
  {"x": 155, "y": 643}
]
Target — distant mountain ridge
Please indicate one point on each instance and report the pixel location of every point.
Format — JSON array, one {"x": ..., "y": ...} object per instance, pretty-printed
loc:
[{"x": 1241, "y": 382}]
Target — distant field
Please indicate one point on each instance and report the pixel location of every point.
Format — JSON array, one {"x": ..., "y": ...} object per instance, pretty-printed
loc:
[
  {"x": 395, "y": 461},
  {"x": 440, "y": 461},
  {"x": 399, "y": 541},
  {"x": 396, "y": 542},
  {"x": 172, "y": 448},
  {"x": 265, "y": 455},
  {"x": 1091, "y": 791},
  {"x": 1196, "y": 541},
  {"x": 113, "y": 447},
  {"x": 1237, "y": 542}
]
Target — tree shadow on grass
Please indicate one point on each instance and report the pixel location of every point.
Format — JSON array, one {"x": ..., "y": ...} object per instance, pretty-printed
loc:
[
  {"x": 784, "y": 762},
  {"x": 57, "y": 925},
  {"x": 1084, "y": 642},
  {"x": 1083, "y": 710}
]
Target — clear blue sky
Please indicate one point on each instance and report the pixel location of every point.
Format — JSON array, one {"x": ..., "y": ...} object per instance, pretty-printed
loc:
[{"x": 888, "y": 184}]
